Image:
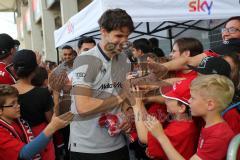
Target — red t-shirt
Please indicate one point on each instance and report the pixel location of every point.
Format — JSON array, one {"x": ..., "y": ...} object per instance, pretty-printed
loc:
[
  {"x": 232, "y": 117},
  {"x": 159, "y": 111},
  {"x": 10, "y": 146},
  {"x": 192, "y": 74},
  {"x": 5, "y": 77},
  {"x": 213, "y": 141},
  {"x": 183, "y": 136},
  {"x": 211, "y": 53},
  {"x": 49, "y": 152}
]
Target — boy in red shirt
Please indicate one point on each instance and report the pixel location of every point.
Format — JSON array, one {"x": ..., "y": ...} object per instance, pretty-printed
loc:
[
  {"x": 17, "y": 140},
  {"x": 210, "y": 95},
  {"x": 181, "y": 130}
]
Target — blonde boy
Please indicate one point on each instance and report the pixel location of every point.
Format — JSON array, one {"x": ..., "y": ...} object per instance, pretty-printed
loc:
[{"x": 210, "y": 95}]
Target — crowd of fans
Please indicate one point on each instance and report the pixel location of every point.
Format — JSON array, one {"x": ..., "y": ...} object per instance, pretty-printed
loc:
[{"x": 109, "y": 100}]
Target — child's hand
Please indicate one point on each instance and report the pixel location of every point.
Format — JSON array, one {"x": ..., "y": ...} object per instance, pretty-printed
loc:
[
  {"x": 61, "y": 121},
  {"x": 148, "y": 155},
  {"x": 154, "y": 126},
  {"x": 58, "y": 123},
  {"x": 125, "y": 126}
]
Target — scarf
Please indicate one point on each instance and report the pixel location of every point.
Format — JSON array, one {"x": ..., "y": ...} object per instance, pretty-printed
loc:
[{"x": 28, "y": 134}]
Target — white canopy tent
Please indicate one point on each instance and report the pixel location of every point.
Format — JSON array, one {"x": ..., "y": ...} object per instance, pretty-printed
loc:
[
  {"x": 8, "y": 5},
  {"x": 149, "y": 16}
]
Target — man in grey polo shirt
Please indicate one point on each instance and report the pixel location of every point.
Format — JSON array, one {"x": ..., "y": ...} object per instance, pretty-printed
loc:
[{"x": 97, "y": 83}]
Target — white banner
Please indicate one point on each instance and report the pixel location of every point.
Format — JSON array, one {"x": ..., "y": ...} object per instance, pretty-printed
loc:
[{"x": 146, "y": 11}]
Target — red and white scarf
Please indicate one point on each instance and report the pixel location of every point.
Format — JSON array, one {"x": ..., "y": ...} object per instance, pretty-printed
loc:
[{"x": 28, "y": 134}]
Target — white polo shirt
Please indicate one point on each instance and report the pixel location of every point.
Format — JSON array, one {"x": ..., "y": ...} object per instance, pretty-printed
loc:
[{"x": 95, "y": 70}]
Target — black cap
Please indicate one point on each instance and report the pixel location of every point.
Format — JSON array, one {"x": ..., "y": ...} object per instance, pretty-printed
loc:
[
  {"x": 213, "y": 65},
  {"x": 24, "y": 61},
  {"x": 228, "y": 47},
  {"x": 6, "y": 43}
]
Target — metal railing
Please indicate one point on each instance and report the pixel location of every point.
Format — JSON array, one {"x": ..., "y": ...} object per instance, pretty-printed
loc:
[{"x": 233, "y": 148}]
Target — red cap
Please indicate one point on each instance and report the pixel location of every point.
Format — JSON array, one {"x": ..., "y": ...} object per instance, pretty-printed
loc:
[{"x": 180, "y": 91}]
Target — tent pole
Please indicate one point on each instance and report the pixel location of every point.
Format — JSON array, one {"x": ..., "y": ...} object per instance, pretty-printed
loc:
[
  {"x": 170, "y": 37},
  {"x": 57, "y": 55}
]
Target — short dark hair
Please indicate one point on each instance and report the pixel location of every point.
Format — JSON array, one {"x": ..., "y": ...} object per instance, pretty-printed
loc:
[
  {"x": 67, "y": 47},
  {"x": 51, "y": 65},
  {"x": 142, "y": 44},
  {"x": 154, "y": 42},
  {"x": 158, "y": 52},
  {"x": 40, "y": 76},
  {"x": 6, "y": 91},
  {"x": 113, "y": 19},
  {"x": 86, "y": 40},
  {"x": 192, "y": 44},
  {"x": 237, "y": 18}
]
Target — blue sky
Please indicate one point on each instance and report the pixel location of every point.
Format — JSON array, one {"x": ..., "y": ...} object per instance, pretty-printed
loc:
[{"x": 7, "y": 24}]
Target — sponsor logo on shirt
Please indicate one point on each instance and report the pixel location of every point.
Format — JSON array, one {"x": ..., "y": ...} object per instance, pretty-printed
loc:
[
  {"x": 110, "y": 85},
  {"x": 80, "y": 75}
]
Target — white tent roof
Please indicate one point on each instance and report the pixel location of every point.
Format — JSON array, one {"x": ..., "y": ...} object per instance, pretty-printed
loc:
[
  {"x": 147, "y": 16},
  {"x": 7, "y": 5}
]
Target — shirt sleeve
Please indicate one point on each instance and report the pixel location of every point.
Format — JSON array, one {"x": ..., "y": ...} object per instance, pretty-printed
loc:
[
  {"x": 34, "y": 147},
  {"x": 85, "y": 70},
  {"x": 9, "y": 145}
]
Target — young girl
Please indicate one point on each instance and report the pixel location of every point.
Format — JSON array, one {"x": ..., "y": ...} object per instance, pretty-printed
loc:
[{"x": 36, "y": 102}]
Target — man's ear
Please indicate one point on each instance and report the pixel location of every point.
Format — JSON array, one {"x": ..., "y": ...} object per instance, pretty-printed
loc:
[{"x": 103, "y": 31}]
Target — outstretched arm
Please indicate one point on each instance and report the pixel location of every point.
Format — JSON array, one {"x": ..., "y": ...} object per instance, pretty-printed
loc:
[
  {"x": 87, "y": 105},
  {"x": 181, "y": 62},
  {"x": 40, "y": 142},
  {"x": 153, "y": 126}
]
